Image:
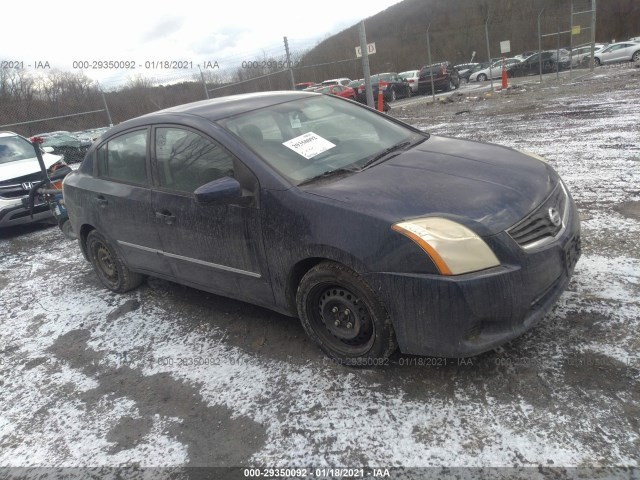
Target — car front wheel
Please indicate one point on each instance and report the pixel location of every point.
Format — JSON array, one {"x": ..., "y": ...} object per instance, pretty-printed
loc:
[
  {"x": 108, "y": 265},
  {"x": 341, "y": 313},
  {"x": 636, "y": 57},
  {"x": 596, "y": 61},
  {"x": 482, "y": 77}
]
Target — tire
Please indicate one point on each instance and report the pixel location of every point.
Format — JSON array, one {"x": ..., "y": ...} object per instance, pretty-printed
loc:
[
  {"x": 328, "y": 296},
  {"x": 111, "y": 270},
  {"x": 482, "y": 77},
  {"x": 393, "y": 95},
  {"x": 596, "y": 61},
  {"x": 636, "y": 57},
  {"x": 450, "y": 86}
]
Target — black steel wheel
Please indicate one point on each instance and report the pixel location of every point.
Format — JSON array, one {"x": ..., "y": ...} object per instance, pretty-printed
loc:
[
  {"x": 341, "y": 313},
  {"x": 109, "y": 267}
]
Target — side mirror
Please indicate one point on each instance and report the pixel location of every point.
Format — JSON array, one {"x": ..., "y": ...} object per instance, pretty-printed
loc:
[
  {"x": 224, "y": 188},
  {"x": 47, "y": 149}
]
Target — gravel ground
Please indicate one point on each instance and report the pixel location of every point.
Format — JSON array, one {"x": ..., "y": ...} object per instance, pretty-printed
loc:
[{"x": 170, "y": 376}]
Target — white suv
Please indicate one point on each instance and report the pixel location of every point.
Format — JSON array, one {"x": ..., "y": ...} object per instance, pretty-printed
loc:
[
  {"x": 19, "y": 168},
  {"x": 337, "y": 81}
]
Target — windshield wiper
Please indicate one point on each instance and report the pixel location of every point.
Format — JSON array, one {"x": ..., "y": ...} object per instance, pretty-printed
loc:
[
  {"x": 384, "y": 153},
  {"x": 328, "y": 173}
]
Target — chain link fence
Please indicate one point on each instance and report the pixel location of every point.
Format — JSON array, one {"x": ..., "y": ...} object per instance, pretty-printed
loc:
[{"x": 33, "y": 103}]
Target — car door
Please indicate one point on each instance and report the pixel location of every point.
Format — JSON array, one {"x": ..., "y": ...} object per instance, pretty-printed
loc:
[
  {"x": 215, "y": 246},
  {"x": 120, "y": 198},
  {"x": 612, "y": 54},
  {"x": 625, "y": 52}
]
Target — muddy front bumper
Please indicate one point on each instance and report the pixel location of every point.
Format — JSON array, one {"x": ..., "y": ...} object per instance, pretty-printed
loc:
[{"x": 464, "y": 315}]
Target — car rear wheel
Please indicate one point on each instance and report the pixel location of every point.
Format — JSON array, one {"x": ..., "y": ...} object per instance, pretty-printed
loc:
[
  {"x": 393, "y": 95},
  {"x": 596, "y": 61},
  {"x": 108, "y": 265},
  {"x": 341, "y": 313},
  {"x": 636, "y": 57},
  {"x": 482, "y": 77}
]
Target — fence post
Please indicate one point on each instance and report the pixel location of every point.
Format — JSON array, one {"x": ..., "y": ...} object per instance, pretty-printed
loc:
[
  {"x": 204, "y": 84},
  {"x": 540, "y": 45},
  {"x": 289, "y": 66},
  {"x": 486, "y": 33},
  {"x": 106, "y": 107},
  {"x": 433, "y": 90},
  {"x": 593, "y": 34}
]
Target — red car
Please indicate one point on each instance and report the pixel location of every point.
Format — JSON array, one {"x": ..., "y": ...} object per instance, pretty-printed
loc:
[{"x": 338, "y": 90}]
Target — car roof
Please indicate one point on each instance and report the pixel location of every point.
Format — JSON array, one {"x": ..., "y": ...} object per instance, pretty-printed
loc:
[
  {"x": 218, "y": 108},
  {"x": 8, "y": 134}
]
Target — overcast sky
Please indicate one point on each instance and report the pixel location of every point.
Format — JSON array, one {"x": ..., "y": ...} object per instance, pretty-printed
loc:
[{"x": 65, "y": 31}]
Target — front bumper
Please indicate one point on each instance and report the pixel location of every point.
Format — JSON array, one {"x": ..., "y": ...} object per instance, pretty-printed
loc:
[
  {"x": 469, "y": 314},
  {"x": 13, "y": 213}
]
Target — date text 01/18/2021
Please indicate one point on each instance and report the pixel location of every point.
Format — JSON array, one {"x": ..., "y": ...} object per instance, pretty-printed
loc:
[{"x": 325, "y": 472}]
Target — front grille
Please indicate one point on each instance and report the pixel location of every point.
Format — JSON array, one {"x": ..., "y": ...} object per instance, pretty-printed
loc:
[
  {"x": 537, "y": 228},
  {"x": 13, "y": 188}
]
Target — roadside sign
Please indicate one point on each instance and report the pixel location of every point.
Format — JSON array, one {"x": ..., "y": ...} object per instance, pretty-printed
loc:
[
  {"x": 505, "y": 47},
  {"x": 371, "y": 49},
  {"x": 575, "y": 30}
]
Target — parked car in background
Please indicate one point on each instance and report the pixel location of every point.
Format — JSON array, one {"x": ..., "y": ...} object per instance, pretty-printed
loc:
[
  {"x": 367, "y": 229},
  {"x": 68, "y": 145},
  {"x": 19, "y": 168},
  {"x": 445, "y": 77},
  {"x": 464, "y": 70},
  {"x": 393, "y": 87},
  {"x": 337, "y": 81},
  {"x": 563, "y": 61},
  {"x": 412, "y": 77},
  {"x": 531, "y": 64},
  {"x": 303, "y": 85},
  {"x": 493, "y": 71},
  {"x": 338, "y": 90},
  {"x": 479, "y": 66},
  {"x": 618, "y": 52},
  {"x": 580, "y": 56},
  {"x": 355, "y": 84}
]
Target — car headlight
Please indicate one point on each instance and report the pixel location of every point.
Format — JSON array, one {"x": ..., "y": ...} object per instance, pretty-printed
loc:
[{"x": 453, "y": 248}]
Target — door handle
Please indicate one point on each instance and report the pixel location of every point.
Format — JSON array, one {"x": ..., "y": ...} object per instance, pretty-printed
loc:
[
  {"x": 101, "y": 201},
  {"x": 166, "y": 216}
]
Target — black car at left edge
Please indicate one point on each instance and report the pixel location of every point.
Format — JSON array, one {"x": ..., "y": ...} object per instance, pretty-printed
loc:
[{"x": 374, "y": 233}]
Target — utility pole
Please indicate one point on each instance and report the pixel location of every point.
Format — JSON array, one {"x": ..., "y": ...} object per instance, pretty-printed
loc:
[
  {"x": 365, "y": 64},
  {"x": 289, "y": 66}
]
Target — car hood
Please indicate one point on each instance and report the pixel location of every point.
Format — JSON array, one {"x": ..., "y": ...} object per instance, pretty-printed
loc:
[
  {"x": 487, "y": 187},
  {"x": 20, "y": 168}
]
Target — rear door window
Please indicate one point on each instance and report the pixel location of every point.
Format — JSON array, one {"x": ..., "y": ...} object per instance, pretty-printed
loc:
[{"x": 124, "y": 158}]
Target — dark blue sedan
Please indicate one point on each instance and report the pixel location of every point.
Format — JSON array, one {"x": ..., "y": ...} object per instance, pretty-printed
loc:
[{"x": 375, "y": 234}]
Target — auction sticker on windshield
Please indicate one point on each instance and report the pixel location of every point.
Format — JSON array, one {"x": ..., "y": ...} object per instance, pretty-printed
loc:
[{"x": 309, "y": 145}]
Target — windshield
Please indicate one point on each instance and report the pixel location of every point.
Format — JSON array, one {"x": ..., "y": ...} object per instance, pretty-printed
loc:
[
  {"x": 15, "y": 148},
  {"x": 306, "y": 138}
]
